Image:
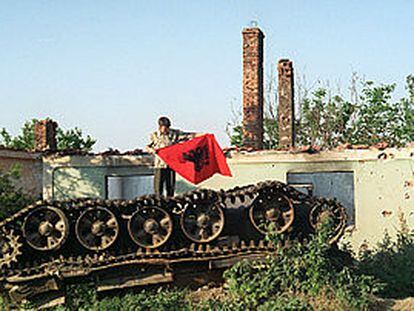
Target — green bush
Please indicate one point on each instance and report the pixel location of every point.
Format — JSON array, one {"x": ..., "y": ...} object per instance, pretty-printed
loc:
[
  {"x": 83, "y": 297},
  {"x": 308, "y": 270},
  {"x": 391, "y": 262},
  {"x": 161, "y": 299},
  {"x": 11, "y": 198}
]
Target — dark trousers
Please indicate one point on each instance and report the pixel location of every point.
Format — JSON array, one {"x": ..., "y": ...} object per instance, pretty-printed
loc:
[{"x": 164, "y": 178}]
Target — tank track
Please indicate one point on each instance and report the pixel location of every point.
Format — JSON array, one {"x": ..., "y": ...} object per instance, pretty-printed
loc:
[{"x": 149, "y": 240}]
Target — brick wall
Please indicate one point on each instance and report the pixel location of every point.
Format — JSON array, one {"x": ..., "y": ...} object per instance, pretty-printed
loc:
[
  {"x": 253, "y": 87},
  {"x": 286, "y": 109},
  {"x": 45, "y": 135}
]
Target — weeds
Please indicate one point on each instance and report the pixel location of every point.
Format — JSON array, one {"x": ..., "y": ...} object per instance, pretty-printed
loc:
[
  {"x": 391, "y": 262},
  {"x": 309, "y": 270},
  {"x": 83, "y": 297},
  {"x": 11, "y": 198}
]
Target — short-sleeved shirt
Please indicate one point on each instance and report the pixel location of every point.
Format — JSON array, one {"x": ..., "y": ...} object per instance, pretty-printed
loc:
[{"x": 158, "y": 140}]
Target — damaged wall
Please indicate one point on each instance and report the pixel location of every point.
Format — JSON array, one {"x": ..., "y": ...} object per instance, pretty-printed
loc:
[
  {"x": 383, "y": 181},
  {"x": 30, "y": 164},
  {"x": 80, "y": 176}
]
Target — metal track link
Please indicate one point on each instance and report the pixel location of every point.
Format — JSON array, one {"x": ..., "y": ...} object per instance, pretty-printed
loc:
[{"x": 78, "y": 238}]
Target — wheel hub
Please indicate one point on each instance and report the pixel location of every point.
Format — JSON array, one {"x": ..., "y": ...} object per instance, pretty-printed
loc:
[
  {"x": 98, "y": 228},
  {"x": 45, "y": 228},
  {"x": 151, "y": 226},
  {"x": 272, "y": 214},
  {"x": 203, "y": 220}
]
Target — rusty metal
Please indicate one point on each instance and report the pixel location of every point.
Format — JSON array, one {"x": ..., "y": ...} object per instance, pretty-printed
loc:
[
  {"x": 150, "y": 227},
  {"x": 272, "y": 213},
  {"x": 202, "y": 222},
  {"x": 97, "y": 228},
  {"x": 46, "y": 228},
  {"x": 9, "y": 248},
  {"x": 328, "y": 210},
  {"x": 143, "y": 239}
]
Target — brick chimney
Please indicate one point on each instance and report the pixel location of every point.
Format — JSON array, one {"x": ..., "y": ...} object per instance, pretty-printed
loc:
[
  {"x": 253, "y": 87},
  {"x": 286, "y": 109},
  {"x": 45, "y": 135}
]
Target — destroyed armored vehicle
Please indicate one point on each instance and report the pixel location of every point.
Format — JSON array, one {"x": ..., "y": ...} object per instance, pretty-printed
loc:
[{"x": 150, "y": 240}]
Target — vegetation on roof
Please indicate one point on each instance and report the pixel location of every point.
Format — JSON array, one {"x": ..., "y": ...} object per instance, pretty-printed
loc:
[
  {"x": 71, "y": 139},
  {"x": 326, "y": 119}
]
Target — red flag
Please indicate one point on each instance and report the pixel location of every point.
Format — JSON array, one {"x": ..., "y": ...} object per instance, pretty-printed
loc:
[{"x": 197, "y": 159}]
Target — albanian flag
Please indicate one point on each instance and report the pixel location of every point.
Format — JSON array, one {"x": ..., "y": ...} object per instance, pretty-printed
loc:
[{"x": 197, "y": 159}]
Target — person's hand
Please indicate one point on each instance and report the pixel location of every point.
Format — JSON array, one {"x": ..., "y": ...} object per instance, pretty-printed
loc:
[
  {"x": 199, "y": 134},
  {"x": 150, "y": 150}
]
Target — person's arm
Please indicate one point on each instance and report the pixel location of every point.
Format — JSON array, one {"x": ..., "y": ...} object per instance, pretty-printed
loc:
[
  {"x": 199, "y": 134},
  {"x": 150, "y": 147},
  {"x": 187, "y": 135}
]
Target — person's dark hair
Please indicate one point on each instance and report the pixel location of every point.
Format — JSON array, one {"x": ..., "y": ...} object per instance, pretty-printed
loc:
[{"x": 164, "y": 121}]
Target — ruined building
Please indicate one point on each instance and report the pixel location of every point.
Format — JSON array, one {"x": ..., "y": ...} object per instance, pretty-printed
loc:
[{"x": 376, "y": 186}]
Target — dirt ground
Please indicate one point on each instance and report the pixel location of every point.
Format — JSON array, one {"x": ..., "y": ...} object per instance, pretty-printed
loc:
[
  {"x": 406, "y": 304},
  {"x": 207, "y": 292}
]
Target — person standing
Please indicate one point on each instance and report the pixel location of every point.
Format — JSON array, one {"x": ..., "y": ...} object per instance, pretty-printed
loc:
[{"x": 164, "y": 176}]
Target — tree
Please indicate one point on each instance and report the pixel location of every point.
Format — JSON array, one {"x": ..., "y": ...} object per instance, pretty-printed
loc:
[
  {"x": 24, "y": 141},
  {"x": 73, "y": 139},
  {"x": 66, "y": 139},
  {"x": 324, "y": 120},
  {"x": 329, "y": 120},
  {"x": 11, "y": 198},
  {"x": 379, "y": 119},
  {"x": 407, "y": 107},
  {"x": 270, "y": 121},
  {"x": 234, "y": 128}
]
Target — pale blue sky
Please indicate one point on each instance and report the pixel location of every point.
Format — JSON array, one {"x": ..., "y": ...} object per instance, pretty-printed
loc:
[{"x": 112, "y": 67}]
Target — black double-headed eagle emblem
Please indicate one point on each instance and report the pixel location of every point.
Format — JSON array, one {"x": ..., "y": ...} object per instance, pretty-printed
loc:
[{"x": 199, "y": 156}]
